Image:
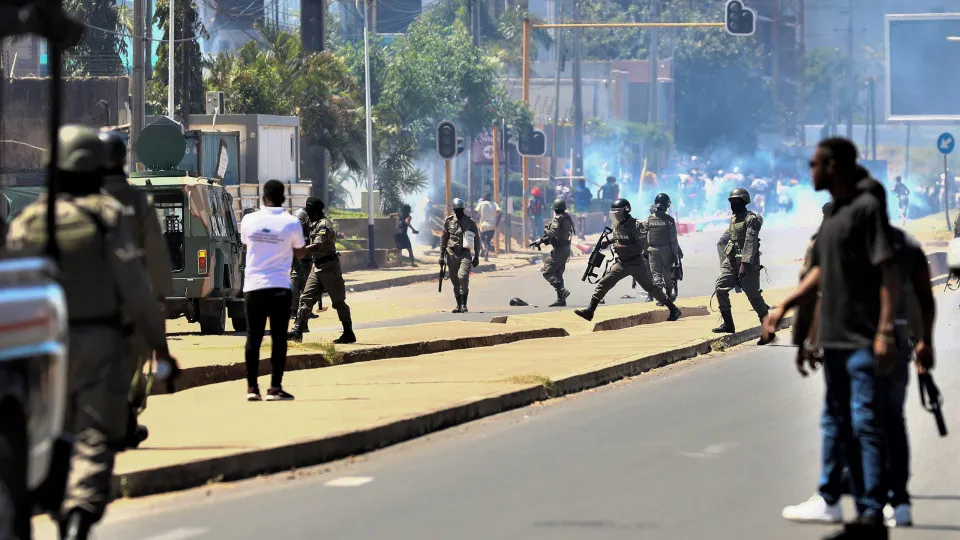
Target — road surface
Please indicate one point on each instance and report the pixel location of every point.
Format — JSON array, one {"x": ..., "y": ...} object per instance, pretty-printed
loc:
[{"x": 710, "y": 448}]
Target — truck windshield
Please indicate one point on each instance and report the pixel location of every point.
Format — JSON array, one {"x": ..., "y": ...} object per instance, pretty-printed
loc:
[{"x": 170, "y": 211}]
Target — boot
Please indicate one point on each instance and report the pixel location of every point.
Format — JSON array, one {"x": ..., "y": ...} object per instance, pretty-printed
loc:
[
  {"x": 727, "y": 326},
  {"x": 76, "y": 526},
  {"x": 463, "y": 306},
  {"x": 762, "y": 341},
  {"x": 674, "y": 312},
  {"x": 562, "y": 295},
  {"x": 348, "y": 335},
  {"x": 459, "y": 308},
  {"x": 296, "y": 333},
  {"x": 587, "y": 313}
]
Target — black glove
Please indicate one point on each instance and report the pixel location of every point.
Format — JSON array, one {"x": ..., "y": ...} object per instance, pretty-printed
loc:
[{"x": 476, "y": 261}]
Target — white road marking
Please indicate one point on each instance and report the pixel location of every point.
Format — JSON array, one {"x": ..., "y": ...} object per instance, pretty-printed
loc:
[
  {"x": 183, "y": 533},
  {"x": 350, "y": 481},
  {"x": 711, "y": 451}
]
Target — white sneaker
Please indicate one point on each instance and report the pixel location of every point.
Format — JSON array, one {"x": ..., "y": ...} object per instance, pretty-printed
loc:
[
  {"x": 815, "y": 509},
  {"x": 899, "y": 516}
]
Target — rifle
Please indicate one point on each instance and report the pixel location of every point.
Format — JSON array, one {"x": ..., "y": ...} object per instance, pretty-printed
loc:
[
  {"x": 931, "y": 400},
  {"x": 538, "y": 244},
  {"x": 596, "y": 257},
  {"x": 443, "y": 270},
  {"x": 677, "y": 270}
]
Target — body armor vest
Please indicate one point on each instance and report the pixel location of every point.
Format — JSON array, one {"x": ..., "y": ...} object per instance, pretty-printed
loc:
[
  {"x": 738, "y": 234},
  {"x": 323, "y": 233},
  {"x": 658, "y": 230}
]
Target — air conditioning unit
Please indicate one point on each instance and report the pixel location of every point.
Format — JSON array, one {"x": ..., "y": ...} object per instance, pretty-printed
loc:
[{"x": 215, "y": 103}]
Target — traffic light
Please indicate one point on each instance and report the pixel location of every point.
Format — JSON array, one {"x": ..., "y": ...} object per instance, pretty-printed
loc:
[
  {"x": 738, "y": 19},
  {"x": 532, "y": 142},
  {"x": 447, "y": 142},
  {"x": 459, "y": 145}
]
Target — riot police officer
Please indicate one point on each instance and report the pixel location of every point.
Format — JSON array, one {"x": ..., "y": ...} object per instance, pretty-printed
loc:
[
  {"x": 663, "y": 249},
  {"x": 326, "y": 276},
  {"x": 300, "y": 269},
  {"x": 460, "y": 241},
  {"x": 557, "y": 234},
  {"x": 740, "y": 266},
  {"x": 106, "y": 286},
  {"x": 629, "y": 241},
  {"x": 140, "y": 217}
]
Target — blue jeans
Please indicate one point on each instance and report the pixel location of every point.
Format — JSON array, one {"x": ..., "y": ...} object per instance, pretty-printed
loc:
[
  {"x": 853, "y": 429},
  {"x": 898, "y": 445}
]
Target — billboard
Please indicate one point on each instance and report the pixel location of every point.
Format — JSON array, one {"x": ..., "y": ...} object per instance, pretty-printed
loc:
[{"x": 923, "y": 67}]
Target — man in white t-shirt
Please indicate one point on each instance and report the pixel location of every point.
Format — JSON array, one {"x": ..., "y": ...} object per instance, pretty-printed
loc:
[
  {"x": 273, "y": 238},
  {"x": 488, "y": 219}
]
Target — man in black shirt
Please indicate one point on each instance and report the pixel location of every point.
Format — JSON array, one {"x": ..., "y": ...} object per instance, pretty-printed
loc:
[{"x": 855, "y": 271}]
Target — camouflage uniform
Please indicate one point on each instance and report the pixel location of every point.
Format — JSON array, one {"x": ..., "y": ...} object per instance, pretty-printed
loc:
[
  {"x": 459, "y": 257},
  {"x": 557, "y": 234},
  {"x": 326, "y": 276},
  {"x": 663, "y": 249},
  {"x": 741, "y": 245},
  {"x": 301, "y": 268},
  {"x": 104, "y": 278}
]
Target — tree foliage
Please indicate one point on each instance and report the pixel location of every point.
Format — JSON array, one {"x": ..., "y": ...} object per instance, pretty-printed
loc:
[
  {"x": 156, "y": 91},
  {"x": 99, "y": 51}
]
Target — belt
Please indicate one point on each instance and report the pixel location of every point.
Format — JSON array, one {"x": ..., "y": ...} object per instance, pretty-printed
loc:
[
  {"x": 108, "y": 320},
  {"x": 328, "y": 258}
]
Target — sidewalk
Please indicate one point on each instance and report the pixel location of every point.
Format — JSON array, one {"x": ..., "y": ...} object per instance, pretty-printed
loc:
[{"x": 211, "y": 433}]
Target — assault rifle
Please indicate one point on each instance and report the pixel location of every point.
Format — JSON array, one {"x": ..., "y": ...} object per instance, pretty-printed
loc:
[
  {"x": 443, "y": 270},
  {"x": 932, "y": 400},
  {"x": 597, "y": 256},
  {"x": 677, "y": 270}
]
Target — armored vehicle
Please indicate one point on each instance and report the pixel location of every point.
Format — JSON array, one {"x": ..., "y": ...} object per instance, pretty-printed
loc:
[{"x": 202, "y": 233}]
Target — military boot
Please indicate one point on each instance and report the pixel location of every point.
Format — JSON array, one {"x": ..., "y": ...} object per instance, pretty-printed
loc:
[
  {"x": 674, "y": 312},
  {"x": 76, "y": 526},
  {"x": 296, "y": 333},
  {"x": 459, "y": 308},
  {"x": 727, "y": 326},
  {"x": 587, "y": 312},
  {"x": 762, "y": 341},
  {"x": 562, "y": 295},
  {"x": 463, "y": 306},
  {"x": 348, "y": 336}
]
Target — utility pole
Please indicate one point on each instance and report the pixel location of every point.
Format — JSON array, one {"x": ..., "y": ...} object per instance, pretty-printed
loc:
[
  {"x": 171, "y": 54},
  {"x": 475, "y": 32},
  {"x": 654, "y": 58},
  {"x": 138, "y": 82},
  {"x": 185, "y": 34},
  {"x": 148, "y": 38},
  {"x": 558, "y": 39},
  {"x": 577, "y": 96},
  {"x": 312, "y": 39},
  {"x": 850, "y": 90},
  {"x": 371, "y": 223}
]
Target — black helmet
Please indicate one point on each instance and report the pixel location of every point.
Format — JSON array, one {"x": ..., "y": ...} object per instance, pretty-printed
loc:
[
  {"x": 458, "y": 204},
  {"x": 314, "y": 207},
  {"x": 81, "y": 150},
  {"x": 740, "y": 193},
  {"x": 559, "y": 205},
  {"x": 620, "y": 204},
  {"x": 662, "y": 199},
  {"x": 116, "y": 149}
]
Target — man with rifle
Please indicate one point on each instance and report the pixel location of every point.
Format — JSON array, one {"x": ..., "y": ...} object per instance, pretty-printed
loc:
[
  {"x": 557, "y": 234},
  {"x": 629, "y": 241},
  {"x": 663, "y": 249},
  {"x": 459, "y": 249}
]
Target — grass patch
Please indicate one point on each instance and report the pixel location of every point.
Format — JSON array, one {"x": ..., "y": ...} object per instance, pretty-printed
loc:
[
  {"x": 325, "y": 348},
  {"x": 350, "y": 245},
  {"x": 533, "y": 378},
  {"x": 346, "y": 214},
  {"x": 718, "y": 346}
]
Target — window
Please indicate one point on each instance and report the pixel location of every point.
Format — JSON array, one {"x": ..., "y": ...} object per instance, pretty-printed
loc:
[
  {"x": 170, "y": 211},
  {"x": 292, "y": 156}
]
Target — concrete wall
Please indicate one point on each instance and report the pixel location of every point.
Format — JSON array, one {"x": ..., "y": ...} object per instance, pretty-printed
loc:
[
  {"x": 26, "y": 103},
  {"x": 384, "y": 229}
]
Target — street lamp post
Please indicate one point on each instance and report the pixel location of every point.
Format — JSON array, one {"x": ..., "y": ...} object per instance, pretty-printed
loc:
[{"x": 366, "y": 71}]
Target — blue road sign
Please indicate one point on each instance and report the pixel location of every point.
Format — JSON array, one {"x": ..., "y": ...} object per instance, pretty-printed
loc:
[{"x": 945, "y": 143}]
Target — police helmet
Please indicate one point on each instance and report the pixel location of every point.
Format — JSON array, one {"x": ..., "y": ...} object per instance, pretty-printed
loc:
[
  {"x": 81, "y": 150},
  {"x": 458, "y": 204},
  {"x": 116, "y": 149},
  {"x": 662, "y": 199},
  {"x": 621, "y": 204},
  {"x": 559, "y": 205},
  {"x": 314, "y": 204},
  {"x": 740, "y": 193}
]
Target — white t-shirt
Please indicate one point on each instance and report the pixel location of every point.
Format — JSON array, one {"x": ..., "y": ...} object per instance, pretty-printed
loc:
[
  {"x": 270, "y": 235},
  {"x": 488, "y": 215}
]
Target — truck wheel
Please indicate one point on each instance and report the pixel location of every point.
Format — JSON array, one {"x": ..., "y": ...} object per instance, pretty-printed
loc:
[
  {"x": 14, "y": 500},
  {"x": 239, "y": 324},
  {"x": 215, "y": 324}
]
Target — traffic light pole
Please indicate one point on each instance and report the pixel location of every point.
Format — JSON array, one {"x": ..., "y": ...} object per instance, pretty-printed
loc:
[
  {"x": 525, "y": 161},
  {"x": 447, "y": 182},
  {"x": 496, "y": 180}
]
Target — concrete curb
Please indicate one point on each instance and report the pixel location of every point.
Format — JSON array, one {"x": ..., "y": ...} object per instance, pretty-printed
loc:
[
  {"x": 421, "y": 278},
  {"x": 204, "y": 375},
  {"x": 314, "y": 452},
  {"x": 629, "y": 321}
]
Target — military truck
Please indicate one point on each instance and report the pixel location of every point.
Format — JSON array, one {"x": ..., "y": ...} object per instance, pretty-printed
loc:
[{"x": 202, "y": 233}]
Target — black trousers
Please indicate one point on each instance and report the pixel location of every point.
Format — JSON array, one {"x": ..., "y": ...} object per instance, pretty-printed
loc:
[{"x": 273, "y": 304}]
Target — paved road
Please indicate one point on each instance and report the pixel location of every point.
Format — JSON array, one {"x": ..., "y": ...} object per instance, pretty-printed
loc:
[
  {"x": 710, "y": 448},
  {"x": 490, "y": 293}
]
